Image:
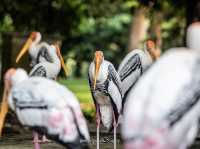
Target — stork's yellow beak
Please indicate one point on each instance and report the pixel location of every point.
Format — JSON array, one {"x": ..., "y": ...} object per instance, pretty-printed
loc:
[
  {"x": 26, "y": 46},
  {"x": 61, "y": 59},
  {"x": 4, "y": 108},
  {"x": 97, "y": 61}
]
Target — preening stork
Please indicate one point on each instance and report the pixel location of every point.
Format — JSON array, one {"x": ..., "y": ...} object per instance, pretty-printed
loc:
[
  {"x": 46, "y": 59},
  {"x": 106, "y": 91},
  {"x": 163, "y": 109},
  {"x": 134, "y": 64},
  {"x": 56, "y": 114}
]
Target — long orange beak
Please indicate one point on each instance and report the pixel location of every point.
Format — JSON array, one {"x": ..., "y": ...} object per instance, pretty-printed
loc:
[
  {"x": 61, "y": 59},
  {"x": 4, "y": 108},
  {"x": 24, "y": 49},
  {"x": 97, "y": 66}
]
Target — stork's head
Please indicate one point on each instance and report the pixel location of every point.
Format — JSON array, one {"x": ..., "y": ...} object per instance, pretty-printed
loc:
[
  {"x": 193, "y": 36},
  {"x": 60, "y": 57},
  {"x": 98, "y": 59},
  {"x": 150, "y": 44},
  {"x": 34, "y": 37},
  {"x": 153, "y": 51},
  {"x": 11, "y": 77}
]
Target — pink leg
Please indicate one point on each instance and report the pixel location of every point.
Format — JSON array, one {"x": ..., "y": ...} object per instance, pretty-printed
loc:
[
  {"x": 36, "y": 141},
  {"x": 98, "y": 125},
  {"x": 115, "y": 127}
]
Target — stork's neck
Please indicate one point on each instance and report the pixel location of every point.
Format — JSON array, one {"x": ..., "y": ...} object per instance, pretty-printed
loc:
[
  {"x": 103, "y": 72},
  {"x": 193, "y": 36},
  {"x": 36, "y": 41},
  {"x": 33, "y": 50},
  {"x": 53, "y": 55},
  {"x": 154, "y": 53}
]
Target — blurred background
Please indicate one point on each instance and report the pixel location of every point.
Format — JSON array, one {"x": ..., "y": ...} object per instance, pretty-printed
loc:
[{"x": 83, "y": 26}]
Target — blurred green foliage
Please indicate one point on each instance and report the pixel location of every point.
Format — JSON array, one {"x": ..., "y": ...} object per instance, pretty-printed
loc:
[{"x": 87, "y": 25}]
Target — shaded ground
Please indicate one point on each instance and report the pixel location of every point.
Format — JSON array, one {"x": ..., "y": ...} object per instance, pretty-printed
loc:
[{"x": 14, "y": 140}]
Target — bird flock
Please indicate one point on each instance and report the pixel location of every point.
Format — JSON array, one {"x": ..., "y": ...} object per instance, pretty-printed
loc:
[{"x": 153, "y": 98}]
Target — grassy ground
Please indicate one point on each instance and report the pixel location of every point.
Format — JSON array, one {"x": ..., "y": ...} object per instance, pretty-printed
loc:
[{"x": 80, "y": 88}]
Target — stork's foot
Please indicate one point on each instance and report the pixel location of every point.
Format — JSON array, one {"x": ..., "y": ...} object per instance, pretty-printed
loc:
[{"x": 45, "y": 140}]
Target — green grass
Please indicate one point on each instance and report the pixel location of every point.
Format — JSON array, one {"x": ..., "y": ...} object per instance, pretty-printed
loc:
[{"x": 80, "y": 88}]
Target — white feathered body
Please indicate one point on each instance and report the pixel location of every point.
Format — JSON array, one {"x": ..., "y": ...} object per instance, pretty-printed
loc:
[
  {"x": 39, "y": 102},
  {"x": 107, "y": 94},
  {"x": 164, "y": 106}
]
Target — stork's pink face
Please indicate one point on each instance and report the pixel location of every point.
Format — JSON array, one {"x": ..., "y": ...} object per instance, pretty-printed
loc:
[
  {"x": 150, "y": 44},
  {"x": 33, "y": 35},
  {"x": 8, "y": 76}
]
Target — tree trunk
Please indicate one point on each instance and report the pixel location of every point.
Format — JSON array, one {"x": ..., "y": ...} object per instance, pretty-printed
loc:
[
  {"x": 6, "y": 57},
  {"x": 138, "y": 29},
  {"x": 155, "y": 30}
]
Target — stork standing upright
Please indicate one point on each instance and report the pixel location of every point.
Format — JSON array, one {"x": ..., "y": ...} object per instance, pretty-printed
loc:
[
  {"x": 163, "y": 109},
  {"x": 46, "y": 59},
  {"x": 56, "y": 113},
  {"x": 134, "y": 64},
  {"x": 106, "y": 91}
]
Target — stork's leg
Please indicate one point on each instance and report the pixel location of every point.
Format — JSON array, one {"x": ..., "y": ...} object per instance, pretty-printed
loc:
[
  {"x": 36, "y": 141},
  {"x": 44, "y": 139},
  {"x": 115, "y": 127},
  {"x": 98, "y": 125}
]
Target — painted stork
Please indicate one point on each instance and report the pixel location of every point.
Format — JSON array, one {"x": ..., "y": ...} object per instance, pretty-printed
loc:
[
  {"x": 163, "y": 109},
  {"x": 134, "y": 64},
  {"x": 46, "y": 59},
  {"x": 106, "y": 91},
  {"x": 56, "y": 114}
]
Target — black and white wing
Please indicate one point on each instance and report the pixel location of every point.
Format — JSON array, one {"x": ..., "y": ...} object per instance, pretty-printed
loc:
[
  {"x": 132, "y": 65},
  {"x": 114, "y": 90},
  {"x": 188, "y": 98},
  {"x": 43, "y": 55},
  {"x": 38, "y": 70}
]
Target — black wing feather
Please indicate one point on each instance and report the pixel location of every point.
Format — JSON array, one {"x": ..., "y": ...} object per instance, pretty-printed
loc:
[
  {"x": 43, "y": 52},
  {"x": 40, "y": 71},
  {"x": 188, "y": 98},
  {"x": 112, "y": 76},
  {"x": 132, "y": 64}
]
